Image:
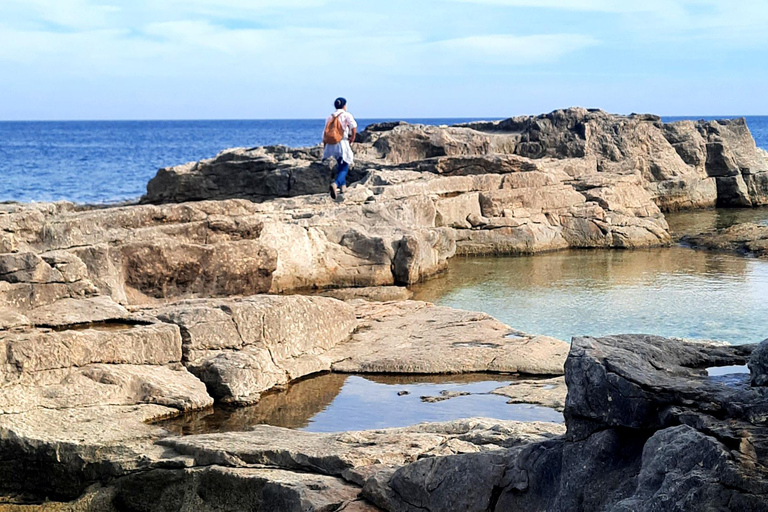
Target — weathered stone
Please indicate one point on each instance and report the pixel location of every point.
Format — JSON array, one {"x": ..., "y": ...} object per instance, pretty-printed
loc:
[
  {"x": 103, "y": 384},
  {"x": 234, "y": 489},
  {"x": 371, "y": 293},
  {"x": 455, "y": 211},
  {"x": 339, "y": 454},
  {"x": 57, "y": 454},
  {"x": 49, "y": 350},
  {"x": 648, "y": 429},
  {"x": 241, "y": 348},
  {"x": 418, "y": 337},
  {"x": 77, "y": 311},
  {"x": 546, "y": 392},
  {"x": 758, "y": 365},
  {"x": 747, "y": 238},
  {"x": 166, "y": 269}
]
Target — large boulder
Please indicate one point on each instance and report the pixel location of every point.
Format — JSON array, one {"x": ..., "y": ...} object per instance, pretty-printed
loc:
[{"x": 648, "y": 429}]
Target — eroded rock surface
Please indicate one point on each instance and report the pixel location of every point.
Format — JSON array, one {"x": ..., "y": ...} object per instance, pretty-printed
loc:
[
  {"x": 419, "y": 337},
  {"x": 682, "y": 164},
  {"x": 76, "y": 396},
  {"x": 648, "y": 429},
  {"x": 243, "y": 347},
  {"x": 114, "y": 316},
  {"x": 748, "y": 238},
  {"x": 758, "y": 365}
]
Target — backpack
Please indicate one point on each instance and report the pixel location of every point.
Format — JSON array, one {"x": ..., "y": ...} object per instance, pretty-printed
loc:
[{"x": 333, "y": 132}]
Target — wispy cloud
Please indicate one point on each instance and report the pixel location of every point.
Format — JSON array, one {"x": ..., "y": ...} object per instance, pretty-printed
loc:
[
  {"x": 225, "y": 52},
  {"x": 509, "y": 49},
  {"x": 584, "y": 5}
]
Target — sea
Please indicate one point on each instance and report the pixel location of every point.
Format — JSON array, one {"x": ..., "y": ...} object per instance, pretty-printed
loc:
[{"x": 102, "y": 162}]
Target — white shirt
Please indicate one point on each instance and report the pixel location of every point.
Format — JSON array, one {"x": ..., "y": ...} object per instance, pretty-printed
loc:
[{"x": 341, "y": 150}]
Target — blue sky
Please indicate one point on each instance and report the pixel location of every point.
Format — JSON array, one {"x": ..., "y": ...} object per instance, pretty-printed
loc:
[{"x": 222, "y": 59}]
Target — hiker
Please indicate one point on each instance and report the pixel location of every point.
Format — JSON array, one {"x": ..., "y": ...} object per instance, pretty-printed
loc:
[{"x": 340, "y": 131}]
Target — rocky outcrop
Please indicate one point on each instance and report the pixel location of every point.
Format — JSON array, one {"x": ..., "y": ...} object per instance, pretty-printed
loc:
[
  {"x": 76, "y": 397},
  {"x": 241, "y": 348},
  {"x": 758, "y": 365},
  {"x": 749, "y": 239},
  {"x": 370, "y": 293},
  {"x": 683, "y": 164},
  {"x": 647, "y": 429},
  {"x": 113, "y": 318}
]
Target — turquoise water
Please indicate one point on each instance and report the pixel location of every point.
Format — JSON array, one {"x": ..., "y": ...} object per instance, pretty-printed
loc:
[{"x": 674, "y": 291}]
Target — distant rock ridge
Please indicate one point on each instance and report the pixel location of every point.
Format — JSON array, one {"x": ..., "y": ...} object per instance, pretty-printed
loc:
[{"x": 683, "y": 164}]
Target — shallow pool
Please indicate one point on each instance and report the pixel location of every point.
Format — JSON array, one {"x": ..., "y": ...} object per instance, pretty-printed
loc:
[
  {"x": 666, "y": 291},
  {"x": 335, "y": 402}
]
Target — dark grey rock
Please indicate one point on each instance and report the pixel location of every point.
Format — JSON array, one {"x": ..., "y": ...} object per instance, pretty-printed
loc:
[
  {"x": 758, "y": 365},
  {"x": 648, "y": 430}
]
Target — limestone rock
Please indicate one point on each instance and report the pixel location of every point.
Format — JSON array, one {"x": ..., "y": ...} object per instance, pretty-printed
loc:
[
  {"x": 339, "y": 454},
  {"x": 103, "y": 384},
  {"x": 72, "y": 311},
  {"x": 546, "y": 392},
  {"x": 418, "y": 337},
  {"x": 40, "y": 350},
  {"x": 234, "y": 489},
  {"x": 241, "y": 348},
  {"x": 371, "y": 293}
]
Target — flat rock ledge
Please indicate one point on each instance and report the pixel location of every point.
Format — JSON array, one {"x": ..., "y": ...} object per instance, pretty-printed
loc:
[
  {"x": 77, "y": 397},
  {"x": 647, "y": 429}
]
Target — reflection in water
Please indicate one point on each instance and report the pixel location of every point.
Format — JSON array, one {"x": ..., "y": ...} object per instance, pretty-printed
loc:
[
  {"x": 291, "y": 408},
  {"x": 699, "y": 221},
  {"x": 334, "y": 403},
  {"x": 666, "y": 291}
]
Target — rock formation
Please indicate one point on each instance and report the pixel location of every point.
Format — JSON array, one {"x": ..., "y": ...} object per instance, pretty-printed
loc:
[
  {"x": 749, "y": 239},
  {"x": 78, "y": 387},
  {"x": 683, "y": 164},
  {"x": 112, "y": 318},
  {"x": 647, "y": 429}
]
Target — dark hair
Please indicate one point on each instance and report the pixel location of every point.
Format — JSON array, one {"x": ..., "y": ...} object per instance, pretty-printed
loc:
[{"x": 339, "y": 103}]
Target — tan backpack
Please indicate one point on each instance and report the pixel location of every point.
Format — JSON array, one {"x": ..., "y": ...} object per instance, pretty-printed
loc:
[{"x": 333, "y": 132}]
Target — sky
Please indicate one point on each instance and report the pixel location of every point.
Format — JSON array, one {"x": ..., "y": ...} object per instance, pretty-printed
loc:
[{"x": 269, "y": 59}]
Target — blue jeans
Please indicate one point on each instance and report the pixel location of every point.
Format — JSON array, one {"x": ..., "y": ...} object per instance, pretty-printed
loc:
[{"x": 341, "y": 176}]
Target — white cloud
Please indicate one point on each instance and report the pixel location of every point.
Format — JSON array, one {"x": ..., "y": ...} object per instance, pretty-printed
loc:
[
  {"x": 507, "y": 49},
  {"x": 73, "y": 14},
  {"x": 584, "y": 5}
]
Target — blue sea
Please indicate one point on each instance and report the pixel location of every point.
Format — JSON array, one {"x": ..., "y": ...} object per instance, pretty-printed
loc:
[{"x": 111, "y": 161}]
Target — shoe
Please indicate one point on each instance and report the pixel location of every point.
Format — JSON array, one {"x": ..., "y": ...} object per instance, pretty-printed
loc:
[
  {"x": 334, "y": 190},
  {"x": 343, "y": 189}
]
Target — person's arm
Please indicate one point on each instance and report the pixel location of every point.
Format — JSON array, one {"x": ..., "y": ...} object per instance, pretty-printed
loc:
[{"x": 352, "y": 127}]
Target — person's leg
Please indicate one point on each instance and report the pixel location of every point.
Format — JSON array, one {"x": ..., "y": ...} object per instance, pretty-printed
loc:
[{"x": 341, "y": 175}]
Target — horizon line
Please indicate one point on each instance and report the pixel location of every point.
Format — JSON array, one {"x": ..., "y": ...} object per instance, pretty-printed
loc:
[{"x": 376, "y": 118}]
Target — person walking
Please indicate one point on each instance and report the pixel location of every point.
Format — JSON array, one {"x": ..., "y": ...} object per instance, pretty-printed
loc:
[{"x": 340, "y": 131}]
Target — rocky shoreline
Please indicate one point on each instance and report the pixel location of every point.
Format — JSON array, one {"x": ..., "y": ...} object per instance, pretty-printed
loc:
[{"x": 112, "y": 317}]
